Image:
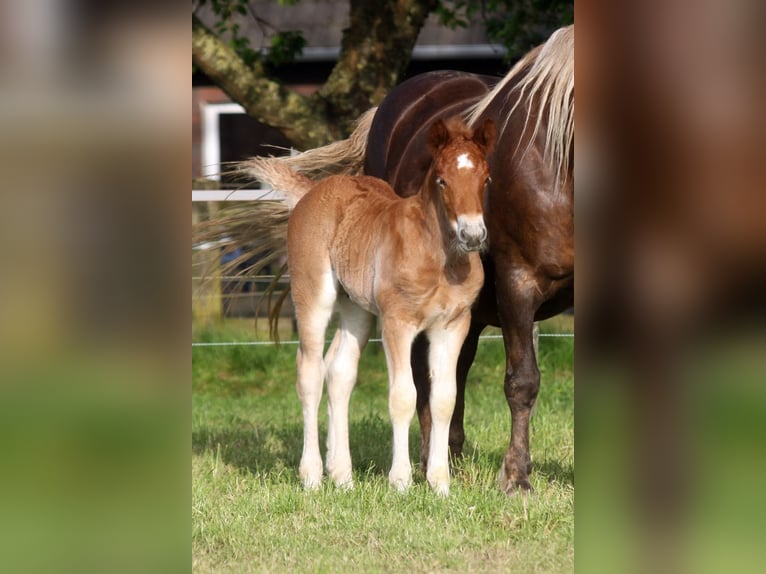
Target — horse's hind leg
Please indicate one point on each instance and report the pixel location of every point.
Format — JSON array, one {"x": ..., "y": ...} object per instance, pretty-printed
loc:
[
  {"x": 422, "y": 378},
  {"x": 342, "y": 362},
  {"x": 314, "y": 301}
]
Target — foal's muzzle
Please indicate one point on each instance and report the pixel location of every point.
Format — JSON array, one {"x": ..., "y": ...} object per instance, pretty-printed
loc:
[{"x": 471, "y": 233}]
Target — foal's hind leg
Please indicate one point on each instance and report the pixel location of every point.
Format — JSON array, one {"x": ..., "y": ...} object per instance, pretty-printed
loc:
[
  {"x": 314, "y": 301},
  {"x": 342, "y": 362}
]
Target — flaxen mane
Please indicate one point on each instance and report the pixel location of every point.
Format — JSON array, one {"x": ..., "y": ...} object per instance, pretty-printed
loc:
[{"x": 546, "y": 74}]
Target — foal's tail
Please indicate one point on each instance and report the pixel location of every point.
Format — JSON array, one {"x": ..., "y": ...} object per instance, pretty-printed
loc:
[
  {"x": 294, "y": 175},
  {"x": 276, "y": 173},
  {"x": 260, "y": 228}
]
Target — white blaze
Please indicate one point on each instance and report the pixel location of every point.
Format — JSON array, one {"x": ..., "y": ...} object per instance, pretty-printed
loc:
[{"x": 464, "y": 162}]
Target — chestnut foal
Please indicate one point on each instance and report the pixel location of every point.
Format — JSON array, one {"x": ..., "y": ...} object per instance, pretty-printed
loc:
[{"x": 356, "y": 248}]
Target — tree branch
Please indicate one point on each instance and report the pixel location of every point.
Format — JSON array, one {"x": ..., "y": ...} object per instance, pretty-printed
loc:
[{"x": 301, "y": 119}]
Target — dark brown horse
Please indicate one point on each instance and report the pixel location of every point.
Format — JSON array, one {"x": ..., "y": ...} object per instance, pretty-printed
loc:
[
  {"x": 529, "y": 214},
  {"x": 529, "y": 211}
]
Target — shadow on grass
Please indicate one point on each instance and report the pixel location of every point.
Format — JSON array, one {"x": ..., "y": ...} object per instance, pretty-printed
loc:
[
  {"x": 264, "y": 450},
  {"x": 256, "y": 449},
  {"x": 554, "y": 471},
  {"x": 551, "y": 469}
]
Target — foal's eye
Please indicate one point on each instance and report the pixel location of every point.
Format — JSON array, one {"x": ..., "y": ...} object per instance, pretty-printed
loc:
[
  {"x": 489, "y": 181},
  {"x": 440, "y": 182}
]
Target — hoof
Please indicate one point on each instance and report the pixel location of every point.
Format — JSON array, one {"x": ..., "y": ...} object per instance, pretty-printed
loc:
[
  {"x": 438, "y": 479},
  {"x": 513, "y": 481},
  {"x": 441, "y": 490},
  {"x": 401, "y": 484},
  {"x": 311, "y": 483},
  {"x": 342, "y": 479},
  {"x": 400, "y": 477},
  {"x": 311, "y": 476},
  {"x": 345, "y": 483}
]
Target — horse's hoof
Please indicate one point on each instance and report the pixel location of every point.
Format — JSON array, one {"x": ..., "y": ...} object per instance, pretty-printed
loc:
[
  {"x": 342, "y": 478},
  {"x": 438, "y": 479},
  {"x": 311, "y": 479},
  {"x": 522, "y": 487},
  {"x": 311, "y": 484},
  {"x": 401, "y": 484},
  {"x": 346, "y": 483},
  {"x": 514, "y": 482},
  {"x": 441, "y": 490}
]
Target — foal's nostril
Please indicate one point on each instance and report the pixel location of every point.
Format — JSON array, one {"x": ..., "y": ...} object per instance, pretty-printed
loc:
[
  {"x": 471, "y": 233},
  {"x": 472, "y": 237}
]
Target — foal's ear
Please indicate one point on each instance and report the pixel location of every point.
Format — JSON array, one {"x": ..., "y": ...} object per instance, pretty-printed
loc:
[
  {"x": 438, "y": 136},
  {"x": 485, "y": 136}
]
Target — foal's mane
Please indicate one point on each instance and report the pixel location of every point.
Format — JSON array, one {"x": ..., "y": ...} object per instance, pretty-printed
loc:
[{"x": 545, "y": 73}]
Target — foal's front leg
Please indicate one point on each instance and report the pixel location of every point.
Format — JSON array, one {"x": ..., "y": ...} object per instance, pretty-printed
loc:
[
  {"x": 422, "y": 375},
  {"x": 442, "y": 358},
  {"x": 397, "y": 340}
]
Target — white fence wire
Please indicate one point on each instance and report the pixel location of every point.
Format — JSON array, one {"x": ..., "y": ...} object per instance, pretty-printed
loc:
[{"x": 295, "y": 342}]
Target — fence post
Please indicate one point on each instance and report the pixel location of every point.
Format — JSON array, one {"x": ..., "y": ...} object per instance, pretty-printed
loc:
[{"x": 206, "y": 264}]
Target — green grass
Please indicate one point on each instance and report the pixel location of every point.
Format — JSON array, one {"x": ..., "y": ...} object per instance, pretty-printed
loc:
[{"x": 249, "y": 512}]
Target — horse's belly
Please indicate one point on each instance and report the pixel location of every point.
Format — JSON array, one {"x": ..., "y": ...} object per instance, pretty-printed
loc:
[
  {"x": 364, "y": 301},
  {"x": 357, "y": 283},
  {"x": 354, "y": 260}
]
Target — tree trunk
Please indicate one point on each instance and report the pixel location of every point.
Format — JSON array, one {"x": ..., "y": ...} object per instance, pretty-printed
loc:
[{"x": 375, "y": 52}]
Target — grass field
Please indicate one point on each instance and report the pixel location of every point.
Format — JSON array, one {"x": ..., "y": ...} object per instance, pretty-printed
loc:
[{"x": 250, "y": 514}]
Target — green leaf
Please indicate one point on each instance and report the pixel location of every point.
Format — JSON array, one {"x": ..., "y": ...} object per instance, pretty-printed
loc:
[{"x": 285, "y": 46}]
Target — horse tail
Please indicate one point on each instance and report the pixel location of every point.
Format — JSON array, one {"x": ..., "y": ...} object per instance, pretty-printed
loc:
[
  {"x": 295, "y": 175},
  {"x": 262, "y": 227},
  {"x": 342, "y": 157},
  {"x": 276, "y": 173}
]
